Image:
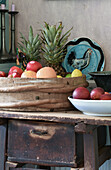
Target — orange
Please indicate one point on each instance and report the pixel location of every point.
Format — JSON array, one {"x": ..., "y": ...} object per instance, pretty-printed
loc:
[{"x": 46, "y": 72}]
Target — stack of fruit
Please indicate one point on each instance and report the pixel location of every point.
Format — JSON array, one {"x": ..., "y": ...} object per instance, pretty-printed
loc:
[
  {"x": 97, "y": 93},
  {"x": 35, "y": 70},
  {"x": 51, "y": 46}
]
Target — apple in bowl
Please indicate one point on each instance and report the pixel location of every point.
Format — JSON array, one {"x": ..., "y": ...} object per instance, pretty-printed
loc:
[
  {"x": 96, "y": 93},
  {"x": 105, "y": 97},
  {"x": 81, "y": 93}
]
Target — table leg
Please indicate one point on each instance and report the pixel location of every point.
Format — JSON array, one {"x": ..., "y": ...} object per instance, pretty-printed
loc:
[
  {"x": 91, "y": 150},
  {"x": 3, "y": 129}
]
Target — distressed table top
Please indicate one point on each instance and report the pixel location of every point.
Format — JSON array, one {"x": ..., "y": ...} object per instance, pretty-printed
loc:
[{"x": 70, "y": 117}]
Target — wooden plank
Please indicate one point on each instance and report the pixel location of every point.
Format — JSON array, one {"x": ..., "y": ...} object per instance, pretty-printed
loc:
[
  {"x": 3, "y": 130},
  {"x": 91, "y": 151},
  {"x": 70, "y": 117}
]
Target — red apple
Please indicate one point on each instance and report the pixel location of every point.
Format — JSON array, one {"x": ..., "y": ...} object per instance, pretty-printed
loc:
[
  {"x": 14, "y": 75},
  {"x": 2, "y": 74},
  {"x": 96, "y": 93},
  {"x": 81, "y": 93},
  {"x": 15, "y": 69},
  {"x": 33, "y": 66},
  {"x": 105, "y": 97}
]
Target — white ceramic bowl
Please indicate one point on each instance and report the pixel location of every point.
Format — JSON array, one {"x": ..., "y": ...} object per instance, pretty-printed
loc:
[{"x": 92, "y": 107}]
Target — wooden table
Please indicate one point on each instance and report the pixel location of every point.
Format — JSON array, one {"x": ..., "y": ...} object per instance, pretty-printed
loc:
[{"x": 66, "y": 139}]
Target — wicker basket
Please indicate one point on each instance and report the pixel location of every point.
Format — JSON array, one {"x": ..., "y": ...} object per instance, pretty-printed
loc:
[{"x": 26, "y": 94}]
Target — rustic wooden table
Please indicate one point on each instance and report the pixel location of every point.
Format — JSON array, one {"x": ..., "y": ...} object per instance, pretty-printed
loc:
[{"x": 66, "y": 139}]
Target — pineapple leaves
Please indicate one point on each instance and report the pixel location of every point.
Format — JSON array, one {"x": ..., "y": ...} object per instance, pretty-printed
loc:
[
  {"x": 51, "y": 42},
  {"x": 31, "y": 47},
  {"x": 54, "y": 42},
  {"x": 65, "y": 36},
  {"x": 23, "y": 39},
  {"x": 31, "y": 35},
  {"x": 23, "y": 49},
  {"x": 52, "y": 29},
  {"x": 35, "y": 40}
]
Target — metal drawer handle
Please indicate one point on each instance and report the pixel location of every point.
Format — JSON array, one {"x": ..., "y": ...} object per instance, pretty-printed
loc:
[{"x": 39, "y": 132}]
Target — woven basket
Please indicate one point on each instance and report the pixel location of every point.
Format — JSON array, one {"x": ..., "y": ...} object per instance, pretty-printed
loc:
[{"x": 26, "y": 94}]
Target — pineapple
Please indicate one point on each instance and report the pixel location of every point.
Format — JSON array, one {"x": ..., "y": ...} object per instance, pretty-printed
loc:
[
  {"x": 53, "y": 49},
  {"x": 31, "y": 47}
]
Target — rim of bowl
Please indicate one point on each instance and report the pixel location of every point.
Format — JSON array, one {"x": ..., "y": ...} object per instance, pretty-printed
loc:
[{"x": 99, "y": 73}]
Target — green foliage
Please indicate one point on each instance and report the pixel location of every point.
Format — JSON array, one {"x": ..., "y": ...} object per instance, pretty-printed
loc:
[
  {"x": 53, "y": 42},
  {"x": 31, "y": 47}
]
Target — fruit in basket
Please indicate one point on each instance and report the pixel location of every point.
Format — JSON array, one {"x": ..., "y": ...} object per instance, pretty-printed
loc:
[
  {"x": 53, "y": 48},
  {"x": 96, "y": 93},
  {"x": 31, "y": 47},
  {"x": 2, "y": 74},
  {"x": 33, "y": 66},
  {"x": 28, "y": 74},
  {"x": 81, "y": 93},
  {"x": 16, "y": 70},
  {"x": 105, "y": 97},
  {"x": 58, "y": 76},
  {"x": 76, "y": 73},
  {"x": 68, "y": 75},
  {"x": 46, "y": 72},
  {"x": 14, "y": 75}
]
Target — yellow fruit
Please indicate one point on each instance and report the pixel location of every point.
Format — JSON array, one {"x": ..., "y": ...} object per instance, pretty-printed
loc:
[
  {"x": 28, "y": 74},
  {"x": 76, "y": 73},
  {"x": 58, "y": 76}
]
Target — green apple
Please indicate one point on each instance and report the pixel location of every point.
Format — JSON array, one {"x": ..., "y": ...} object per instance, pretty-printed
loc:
[{"x": 68, "y": 75}]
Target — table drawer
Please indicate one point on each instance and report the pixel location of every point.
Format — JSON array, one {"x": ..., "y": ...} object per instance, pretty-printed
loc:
[{"x": 41, "y": 143}]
